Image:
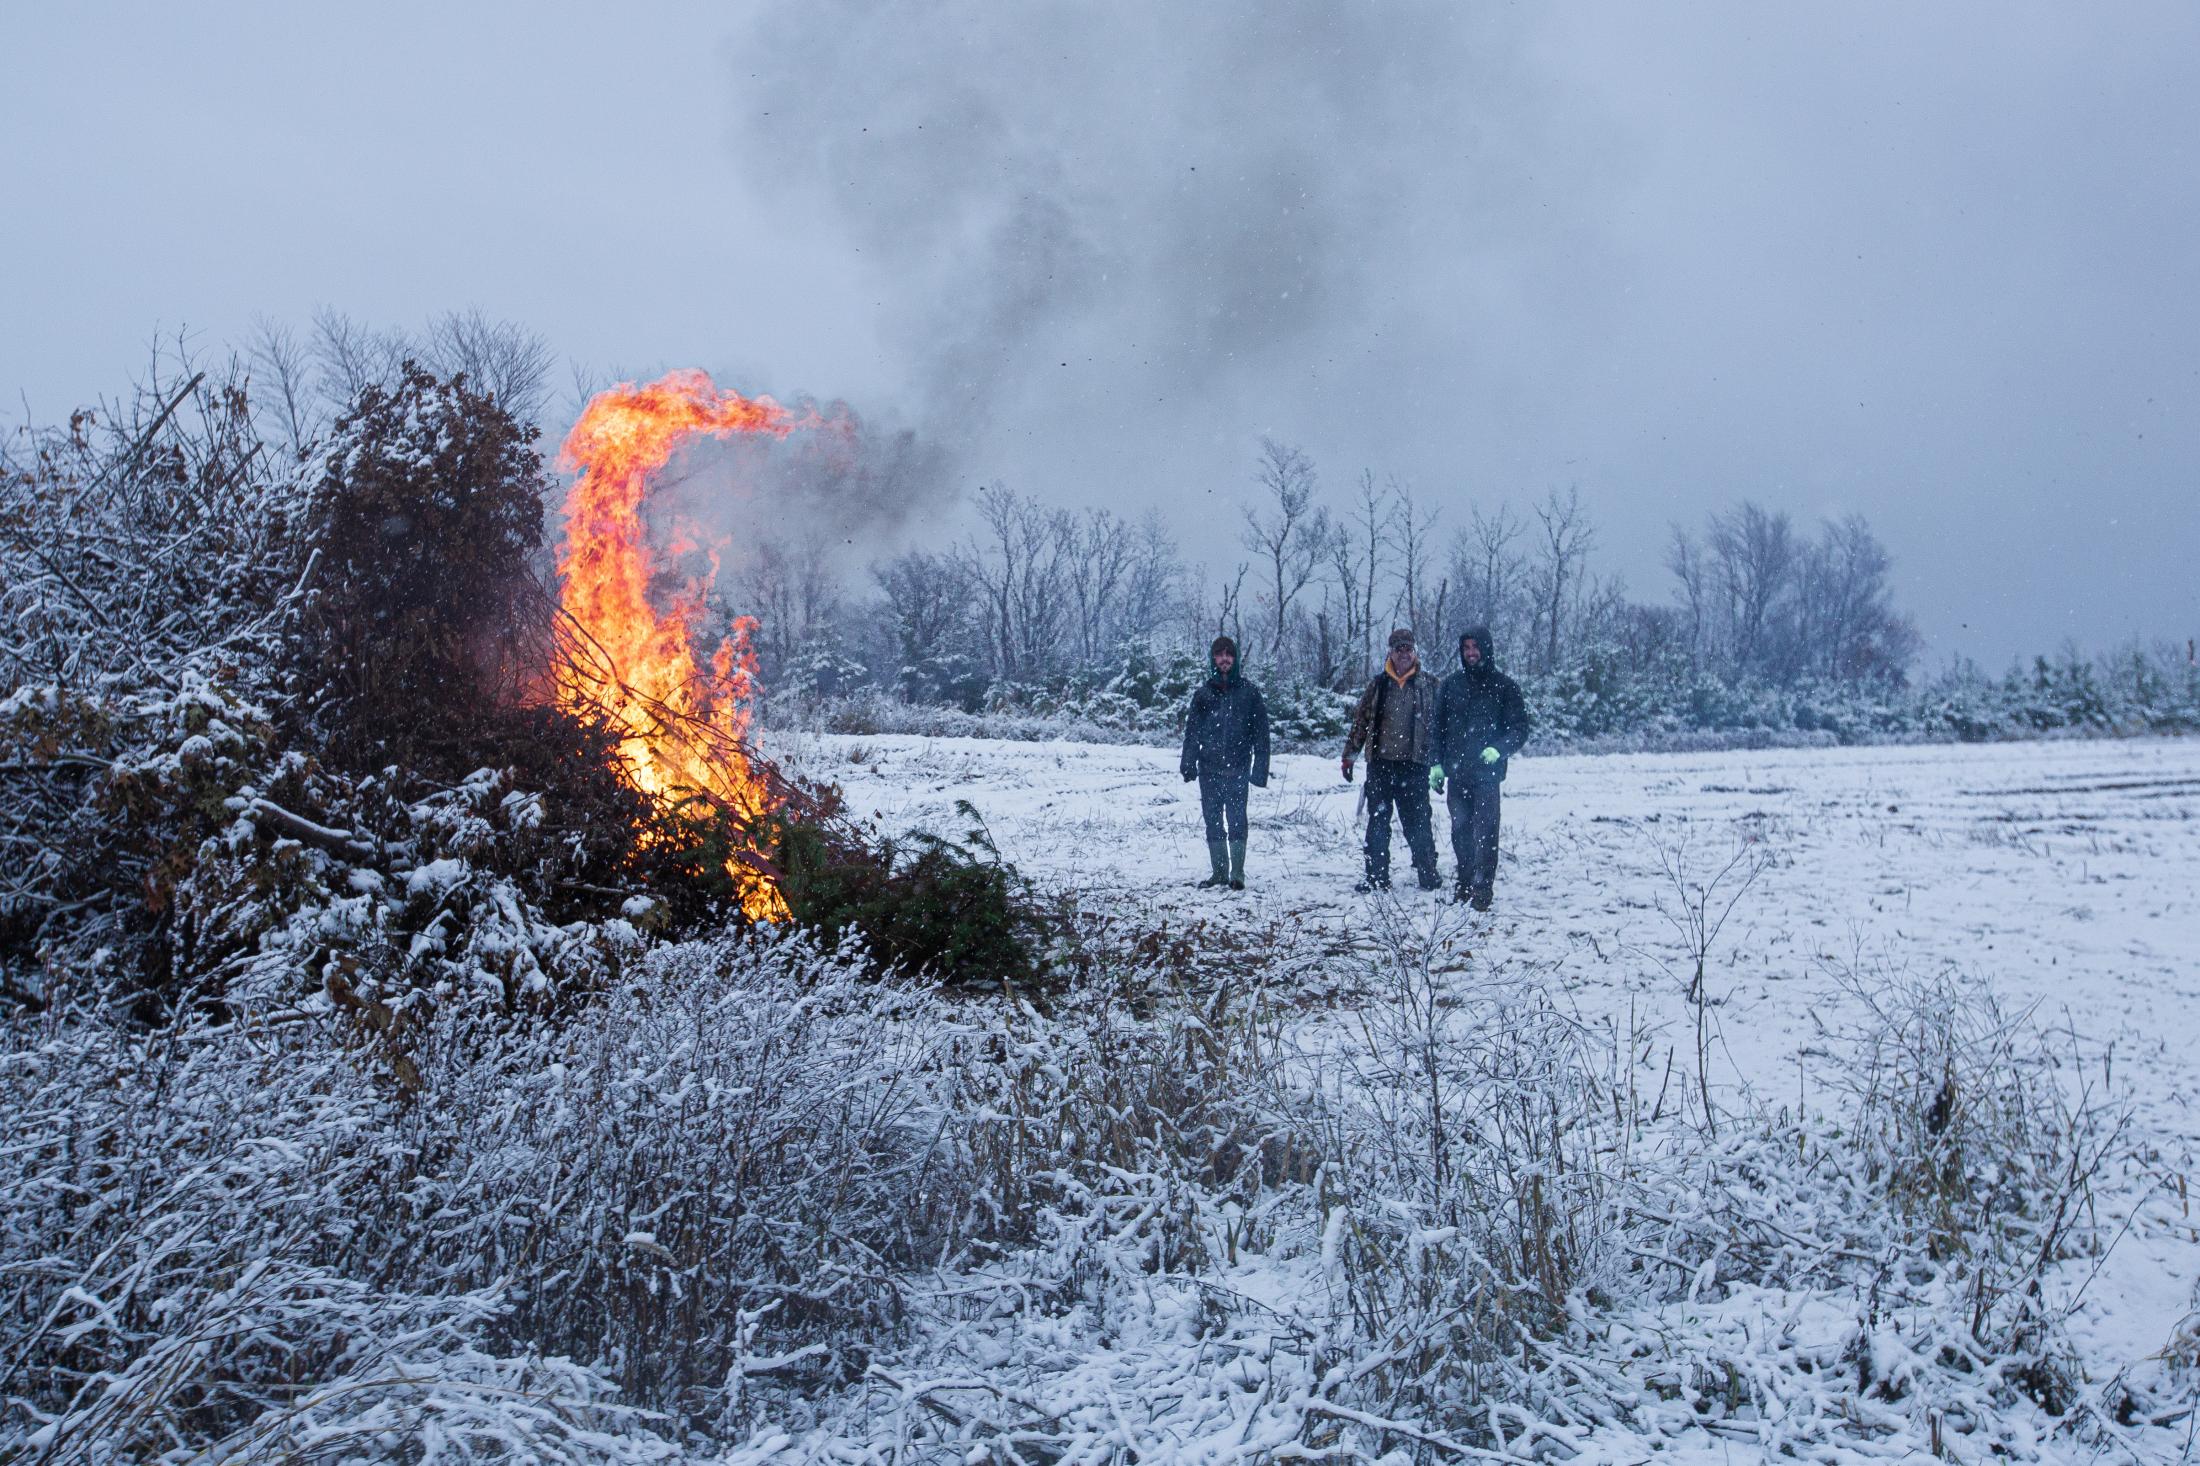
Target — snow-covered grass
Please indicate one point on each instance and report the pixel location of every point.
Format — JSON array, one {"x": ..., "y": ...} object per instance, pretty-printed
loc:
[
  {"x": 1317, "y": 1177},
  {"x": 2003, "y": 915}
]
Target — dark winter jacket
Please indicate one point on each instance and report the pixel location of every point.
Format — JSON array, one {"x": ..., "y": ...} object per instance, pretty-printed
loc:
[
  {"x": 1385, "y": 700},
  {"x": 1227, "y": 730},
  {"x": 1478, "y": 708}
]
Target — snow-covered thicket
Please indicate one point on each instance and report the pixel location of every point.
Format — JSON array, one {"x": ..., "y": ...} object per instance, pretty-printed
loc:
[
  {"x": 752, "y": 1193},
  {"x": 254, "y": 1231},
  {"x": 1603, "y": 697},
  {"x": 149, "y": 560}
]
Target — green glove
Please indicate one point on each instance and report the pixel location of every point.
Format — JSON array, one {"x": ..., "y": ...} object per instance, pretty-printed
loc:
[
  {"x": 1491, "y": 755},
  {"x": 1436, "y": 779}
]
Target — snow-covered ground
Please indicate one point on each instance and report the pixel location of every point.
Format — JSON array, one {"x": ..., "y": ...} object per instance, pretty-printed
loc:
[{"x": 2064, "y": 875}]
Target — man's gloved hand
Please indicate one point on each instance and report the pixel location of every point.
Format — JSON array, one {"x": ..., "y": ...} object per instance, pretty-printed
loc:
[
  {"x": 1347, "y": 766},
  {"x": 1491, "y": 755},
  {"x": 1188, "y": 772},
  {"x": 1436, "y": 779}
]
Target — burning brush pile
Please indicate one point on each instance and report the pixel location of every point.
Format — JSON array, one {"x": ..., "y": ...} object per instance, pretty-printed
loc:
[
  {"x": 630, "y": 666},
  {"x": 327, "y": 729},
  {"x": 423, "y": 1014}
]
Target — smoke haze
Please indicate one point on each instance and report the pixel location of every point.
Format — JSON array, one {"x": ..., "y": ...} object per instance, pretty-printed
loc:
[
  {"x": 1917, "y": 264},
  {"x": 1127, "y": 224},
  {"x": 1927, "y": 263}
]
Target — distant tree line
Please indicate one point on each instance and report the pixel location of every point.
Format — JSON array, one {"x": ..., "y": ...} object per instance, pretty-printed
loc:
[
  {"x": 1768, "y": 626},
  {"x": 1767, "y": 623},
  {"x": 1040, "y": 597}
]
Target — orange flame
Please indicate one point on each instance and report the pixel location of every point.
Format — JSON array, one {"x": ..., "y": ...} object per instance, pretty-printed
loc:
[{"x": 648, "y": 668}]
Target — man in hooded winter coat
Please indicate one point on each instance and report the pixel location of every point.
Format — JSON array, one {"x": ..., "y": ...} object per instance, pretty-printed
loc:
[
  {"x": 1225, "y": 749},
  {"x": 1395, "y": 721},
  {"x": 1481, "y": 722}
]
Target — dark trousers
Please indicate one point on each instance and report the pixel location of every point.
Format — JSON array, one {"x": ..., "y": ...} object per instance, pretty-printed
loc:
[
  {"x": 1401, "y": 785},
  {"x": 1473, "y": 804},
  {"x": 1222, "y": 802}
]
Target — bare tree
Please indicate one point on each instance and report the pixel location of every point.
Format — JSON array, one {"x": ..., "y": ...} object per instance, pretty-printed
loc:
[
  {"x": 1420, "y": 606},
  {"x": 1756, "y": 556},
  {"x": 1287, "y": 532},
  {"x": 1489, "y": 569},
  {"x": 350, "y": 357},
  {"x": 1562, "y": 551},
  {"x": 282, "y": 371},
  {"x": 1355, "y": 555},
  {"x": 794, "y": 592},
  {"x": 1155, "y": 579},
  {"x": 1684, "y": 556},
  {"x": 1097, "y": 572},
  {"x": 1018, "y": 568},
  {"x": 1227, "y": 616},
  {"x": 498, "y": 358},
  {"x": 1847, "y": 623}
]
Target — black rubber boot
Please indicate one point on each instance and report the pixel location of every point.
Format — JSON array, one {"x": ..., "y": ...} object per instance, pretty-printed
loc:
[
  {"x": 1237, "y": 865},
  {"x": 1218, "y": 856}
]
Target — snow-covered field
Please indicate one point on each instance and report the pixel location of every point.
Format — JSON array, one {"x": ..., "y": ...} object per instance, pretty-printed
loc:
[
  {"x": 2064, "y": 877},
  {"x": 1287, "y": 1175}
]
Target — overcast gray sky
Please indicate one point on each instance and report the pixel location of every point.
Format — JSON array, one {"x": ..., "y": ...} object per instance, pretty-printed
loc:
[{"x": 1934, "y": 263}]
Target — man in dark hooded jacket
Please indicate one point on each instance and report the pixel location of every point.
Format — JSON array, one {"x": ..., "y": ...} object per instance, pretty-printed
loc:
[
  {"x": 1225, "y": 749},
  {"x": 1481, "y": 722}
]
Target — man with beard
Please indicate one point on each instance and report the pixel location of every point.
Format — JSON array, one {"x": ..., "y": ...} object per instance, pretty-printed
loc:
[
  {"x": 1225, "y": 749},
  {"x": 1395, "y": 722},
  {"x": 1481, "y": 722}
]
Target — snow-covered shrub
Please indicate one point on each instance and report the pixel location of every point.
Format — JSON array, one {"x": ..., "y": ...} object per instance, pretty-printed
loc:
[
  {"x": 709, "y": 1187},
  {"x": 1517, "y": 1243},
  {"x": 707, "y": 1181},
  {"x": 150, "y": 555},
  {"x": 1598, "y": 701},
  {"x": 150, "y": 536},
  {"x": 924, "y": 903},
  {"x": 195, "y": 1261},
  {"x": 1988, "y": 1141},
  {"x": 196, "y": 854},
  {"x": 116, "y": 791},
  {"x": 423, "y": 616},
  {"x": 1474, "y": 1167},
  {"x": 1122, "y": 1143}
]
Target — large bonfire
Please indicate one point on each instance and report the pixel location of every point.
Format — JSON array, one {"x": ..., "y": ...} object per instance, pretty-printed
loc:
[{"x": 682, "y": 728}]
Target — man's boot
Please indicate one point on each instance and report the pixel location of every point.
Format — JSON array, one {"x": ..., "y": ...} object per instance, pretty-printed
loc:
[
  {"x": 1237, "y": 865},
  {"x": 1218, "y": 856}
]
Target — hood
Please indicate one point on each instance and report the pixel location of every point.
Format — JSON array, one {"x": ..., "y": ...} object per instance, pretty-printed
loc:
[{"x": 1480, "y": 635}]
